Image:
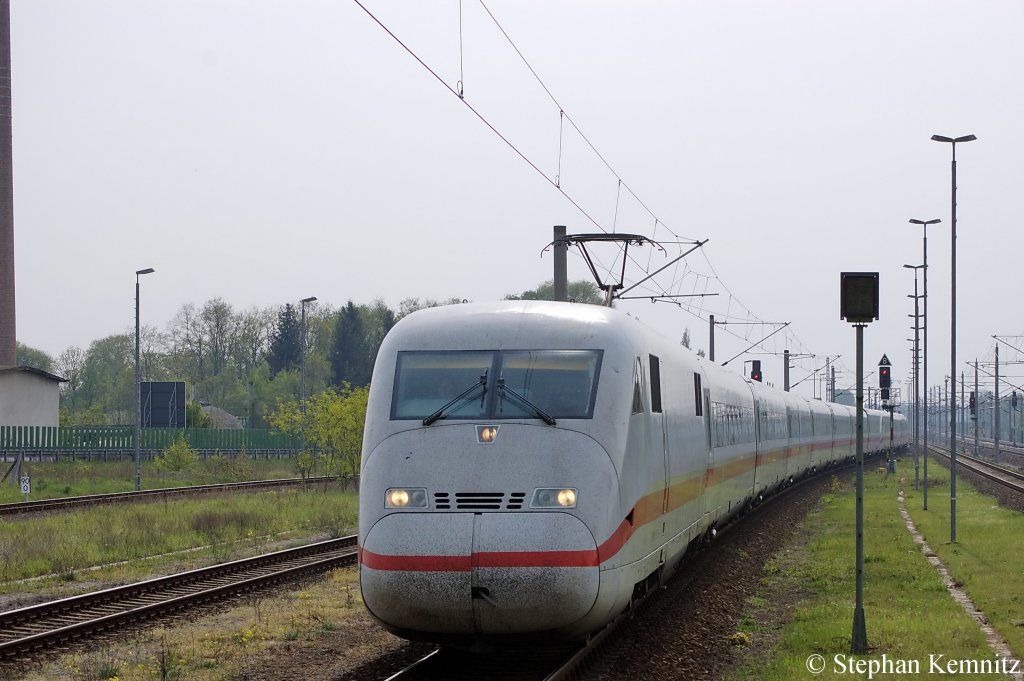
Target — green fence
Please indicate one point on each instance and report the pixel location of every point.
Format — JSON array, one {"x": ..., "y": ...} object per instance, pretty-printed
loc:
[{"x": 82, "y": 438}]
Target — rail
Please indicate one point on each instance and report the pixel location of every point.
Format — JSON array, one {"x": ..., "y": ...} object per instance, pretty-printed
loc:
[
  {"x": 998, "y": 474},
  {"x": 38, "y": 627},
  {"x": 62, "y": 503}
]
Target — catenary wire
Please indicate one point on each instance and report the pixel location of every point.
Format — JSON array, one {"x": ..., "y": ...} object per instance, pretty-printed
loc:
[{"x": 556, "y": 181}]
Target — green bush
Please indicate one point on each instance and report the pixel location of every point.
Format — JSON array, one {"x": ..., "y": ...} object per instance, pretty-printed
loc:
[
  {"x": 231, "y": 467},
  {"x": 304, "y": 463},
  {"x": 179, "y": 456}
]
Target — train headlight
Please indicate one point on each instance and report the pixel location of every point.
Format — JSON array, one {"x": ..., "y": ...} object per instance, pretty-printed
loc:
[
  {"x": 485, "y": 435},
  {"x": 554, "y": 497},
  {"x": 405, "y": 497}
]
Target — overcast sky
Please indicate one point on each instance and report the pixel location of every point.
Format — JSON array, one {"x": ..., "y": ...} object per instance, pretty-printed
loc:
[{"x": 264, "y": 151}]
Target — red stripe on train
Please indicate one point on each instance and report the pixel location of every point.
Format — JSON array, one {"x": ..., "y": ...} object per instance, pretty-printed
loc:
[{"x": 501, "y": 559}]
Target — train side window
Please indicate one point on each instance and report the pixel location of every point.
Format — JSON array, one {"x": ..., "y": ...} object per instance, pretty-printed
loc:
[
  {"x": 638, "y": 400},
  {"x": 655, "y": 384},
  {"x": 698, "y": 394}
]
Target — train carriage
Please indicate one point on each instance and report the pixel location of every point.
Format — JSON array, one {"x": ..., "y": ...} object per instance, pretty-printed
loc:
[{"x": 772, "y": 463}]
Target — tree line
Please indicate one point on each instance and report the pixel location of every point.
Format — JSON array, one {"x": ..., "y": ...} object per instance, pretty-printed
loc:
[{"x": 246, "y": 362}]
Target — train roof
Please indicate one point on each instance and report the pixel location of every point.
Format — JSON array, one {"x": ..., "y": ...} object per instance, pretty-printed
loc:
[
  {"x": 523, "y": 324},
  {"x": 510, "y": 322}
]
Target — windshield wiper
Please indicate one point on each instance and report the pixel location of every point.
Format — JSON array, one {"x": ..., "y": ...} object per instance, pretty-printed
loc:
[
  {"x": 537, "y": 411},
  {"x": 440, "y": 412}
]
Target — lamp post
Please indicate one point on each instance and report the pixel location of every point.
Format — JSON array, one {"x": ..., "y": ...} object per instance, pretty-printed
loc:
[
  {"x": 302, "y": 372},
  {"x": 138, "y": 386},
  {"x": 917, "y": 348},
  {"x": 952, "y": 141},
  {"x": 924, "y": 351}
]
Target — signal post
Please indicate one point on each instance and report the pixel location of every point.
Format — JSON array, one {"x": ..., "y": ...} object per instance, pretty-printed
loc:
[
  {"x": 884, "y": 387},
  {"x": 858, "y": 305}
]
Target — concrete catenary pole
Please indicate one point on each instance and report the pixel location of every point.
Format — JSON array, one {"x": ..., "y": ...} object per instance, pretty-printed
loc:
[
  {"x": 996, "y": 424},
  {"x": 711, "y": 339},
  {"x": 8, "y": 333},
  {"x": 977, "y": 402},
  {"x": 944, "y": 401},
  {"x": 561, "y": 266},
  {"x": 785, "y": 370},
  {"x": 917, "y": 383}
]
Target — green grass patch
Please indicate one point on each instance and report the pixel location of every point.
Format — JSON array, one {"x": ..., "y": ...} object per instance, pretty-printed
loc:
[
  {"x": 62, "y": 543},
  {"x": 240, "y": 639},
  {"x": 986, "y": 558},
  {"x": 908, "y": 612},
  {"x": 81, "y": 477}
]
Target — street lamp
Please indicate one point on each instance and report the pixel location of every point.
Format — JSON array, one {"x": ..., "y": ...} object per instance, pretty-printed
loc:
[
  {"x": 924, "y": 351},
  {"x": 302, "y": 372},
  {"x": 138, "y": 386},
  {"x": 917, "y": 348},
  {"x": 952, "y": 141}
]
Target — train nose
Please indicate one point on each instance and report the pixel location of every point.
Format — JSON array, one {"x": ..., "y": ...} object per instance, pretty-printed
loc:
[{"x": 481, "y": 573}]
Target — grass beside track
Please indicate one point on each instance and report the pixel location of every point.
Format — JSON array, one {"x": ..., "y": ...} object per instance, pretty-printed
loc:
[
  {"x": 811, "y": 587},
  {"x": 987, "y": 556},
  {"x": 62, "y": 543},
  {"x": 79, "y": 477},
  {"x": 240, "y": 640}
]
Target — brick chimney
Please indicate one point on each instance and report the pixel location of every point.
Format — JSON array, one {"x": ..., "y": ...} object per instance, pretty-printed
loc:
[{"x": 8, "y": 336}]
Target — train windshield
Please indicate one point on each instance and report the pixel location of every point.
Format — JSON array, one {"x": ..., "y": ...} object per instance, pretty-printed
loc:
[
  {"x": 427, "y": 381},
  {"x": 559, "y": 382},
  {"x": 562, "y": 383}
]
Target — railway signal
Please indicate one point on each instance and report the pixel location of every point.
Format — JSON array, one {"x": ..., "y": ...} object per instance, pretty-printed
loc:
[
  {"x": 755, "y": 370},
  {"x": 884, "y": 377},
  {"x": 858, "y": 304}
]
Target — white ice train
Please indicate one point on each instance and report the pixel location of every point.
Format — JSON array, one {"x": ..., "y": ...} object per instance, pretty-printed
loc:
[{"x": 528, "y": 467}]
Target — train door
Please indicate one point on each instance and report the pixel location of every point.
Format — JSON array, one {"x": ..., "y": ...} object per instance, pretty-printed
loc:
[
  {"x": 833, "y": 450},
  {"x": 792, "y": 466},
  {"x": 659, "y": 428},
  {"x": 758, "y": 485},
  {"x": 702, "y": 395}
]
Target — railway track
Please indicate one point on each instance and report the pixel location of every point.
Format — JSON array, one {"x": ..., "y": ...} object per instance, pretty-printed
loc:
[
  {"x": 1014, "y": 452},
  {"x": 64, "y": 503},
  {"x": 539, "y": 663},
  {"x": 26, "y": 631},
  {"x": 998, "y": 474}
]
